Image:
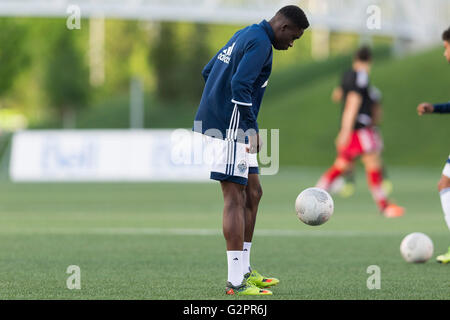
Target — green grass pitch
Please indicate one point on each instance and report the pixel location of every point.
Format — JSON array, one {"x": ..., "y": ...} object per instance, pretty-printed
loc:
[{"x": 164, "y": 241}]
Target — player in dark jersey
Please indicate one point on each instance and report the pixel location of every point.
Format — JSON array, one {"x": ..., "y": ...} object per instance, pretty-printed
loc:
[
  {"x": 235, "y": 81},
  {"x": 444, "y": 182},
  {"x": 358, "y": 136},
  {"x": 345, "y": 184}
]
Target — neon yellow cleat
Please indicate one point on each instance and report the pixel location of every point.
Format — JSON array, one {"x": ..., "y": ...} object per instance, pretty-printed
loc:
[
  {"x": 347, "y": 190},
  {"x": 255, "y": 278},
  {"x": 246, "y": 289},
  {"x": 387, "y": 186},
  {"x": 444, "y": 258}
]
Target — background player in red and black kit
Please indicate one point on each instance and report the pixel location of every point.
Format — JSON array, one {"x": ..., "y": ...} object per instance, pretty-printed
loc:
[
  {"x": 357, "y": 135},
  {"x": 345, "y": 184}
]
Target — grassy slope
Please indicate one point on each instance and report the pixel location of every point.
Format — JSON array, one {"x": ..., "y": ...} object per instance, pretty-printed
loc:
[
  {"x": 309, "y": 122},
  {"x": 120, "y": 236}
]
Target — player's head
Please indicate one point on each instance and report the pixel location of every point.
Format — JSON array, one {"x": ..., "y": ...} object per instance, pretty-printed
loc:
[
  {"x": 446, "y": 39},
  {"x": 362, "y": 58},
  {"x": 288, "y": 25},
  {"x": 363, "y": 54}
]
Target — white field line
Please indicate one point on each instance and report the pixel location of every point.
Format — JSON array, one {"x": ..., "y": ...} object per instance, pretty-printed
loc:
[{"x": 202, "y": 232}]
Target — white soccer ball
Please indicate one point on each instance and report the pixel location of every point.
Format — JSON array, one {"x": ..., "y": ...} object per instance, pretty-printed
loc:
[
  {"x": 416, "y": 247},
  {"x": 314, "y": 206}
]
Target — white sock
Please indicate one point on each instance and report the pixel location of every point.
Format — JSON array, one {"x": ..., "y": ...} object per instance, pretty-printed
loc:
[
  {"x": 246, "y": 257},
  {"x": 235, "y": 275},
  {"x": 445, "y": 200}
]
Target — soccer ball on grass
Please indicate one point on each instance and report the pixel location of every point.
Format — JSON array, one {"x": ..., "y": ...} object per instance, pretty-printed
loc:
[
  {"x": 314, "y": 206},
  {"x": 416, "y": 247}
]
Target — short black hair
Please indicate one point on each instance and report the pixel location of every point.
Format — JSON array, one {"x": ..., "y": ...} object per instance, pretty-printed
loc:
[
  {"x": 446, "y": 35},
  {"x": 295, "y": 15},
  {"x": 363, "y": 54}
]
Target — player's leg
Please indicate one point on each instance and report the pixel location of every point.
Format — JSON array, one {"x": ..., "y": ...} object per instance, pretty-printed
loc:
[
  {"x": 387, "y": 183},
  {"x": 371, "y": 146},
  {"x": 253, "y": 194},
  {"x": 374, "y": 170},
  {"x": 339, "y": 166},
  {"x": 349, "y": 175},
  {"x": 233, "y": 214},
  {"x": 373, "y": 167},
  {"x": 342, "y": 163},
  {"x": 444, "y": 192},
  {"x": 348, "y": 188},
  {"x": 233, "y": 231},
  {"x": 230, "y": 167},
  {"x": 233, "y": 228},
  {"x": 388, "y": 187},
  {"x": 253, "y": 197}
]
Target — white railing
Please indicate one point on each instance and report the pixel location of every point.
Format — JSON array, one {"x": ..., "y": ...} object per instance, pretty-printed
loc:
[{"x": 417, "y": 20}]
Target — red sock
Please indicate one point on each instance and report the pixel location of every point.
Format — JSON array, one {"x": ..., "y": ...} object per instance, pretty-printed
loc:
[
  {"x": 328, "y": 177},
  {"x": 375, "y": 179}
]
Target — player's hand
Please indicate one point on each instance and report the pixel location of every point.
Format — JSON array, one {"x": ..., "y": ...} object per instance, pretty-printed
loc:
[
  {"x": 255, "y": 144},
  {"x": 425, "y": 107},
  {"x": 336, "y": 95},
  {"x": 341, "y": 141}
]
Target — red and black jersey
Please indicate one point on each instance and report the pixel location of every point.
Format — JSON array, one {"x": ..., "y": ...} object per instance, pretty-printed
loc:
[{"x": 358, "y": 81}]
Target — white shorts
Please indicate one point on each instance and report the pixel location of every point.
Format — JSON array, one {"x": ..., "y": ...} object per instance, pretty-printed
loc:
[
  {"x": 446, "y": 171},
  {"x": 253, "y": 163},
  {"x": 230, "y": 160}
]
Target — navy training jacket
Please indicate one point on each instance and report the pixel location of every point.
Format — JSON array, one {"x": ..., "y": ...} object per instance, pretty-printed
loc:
[{"x": 235, "y": 81}]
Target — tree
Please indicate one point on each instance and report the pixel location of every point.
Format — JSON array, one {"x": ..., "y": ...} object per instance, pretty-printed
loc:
[
  {"x": 165, "y": 59},
  {"x": 13, "y": 56},
  {"x": 197, "y": 57},
  {"x": 66, "y": 78},
  {"x": 178, "y": 62}
]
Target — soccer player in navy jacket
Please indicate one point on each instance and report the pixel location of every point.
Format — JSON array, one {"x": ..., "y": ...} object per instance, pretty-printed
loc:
[
  {"x": 235, "y": 81},
  {"x": 444, "y": 182}
]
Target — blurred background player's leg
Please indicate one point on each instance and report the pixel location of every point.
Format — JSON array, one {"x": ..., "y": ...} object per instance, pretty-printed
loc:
[
  {"x": 344, "y": 185},
  {"x": 374, "y": 174},
  {"x": 343, "y": 163},
  {"x": 373, "y": 166},
  {"x": 387, "y": 185},
  {"x": 444, "y": 192},
  {"x": 339, "y": 166}
]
